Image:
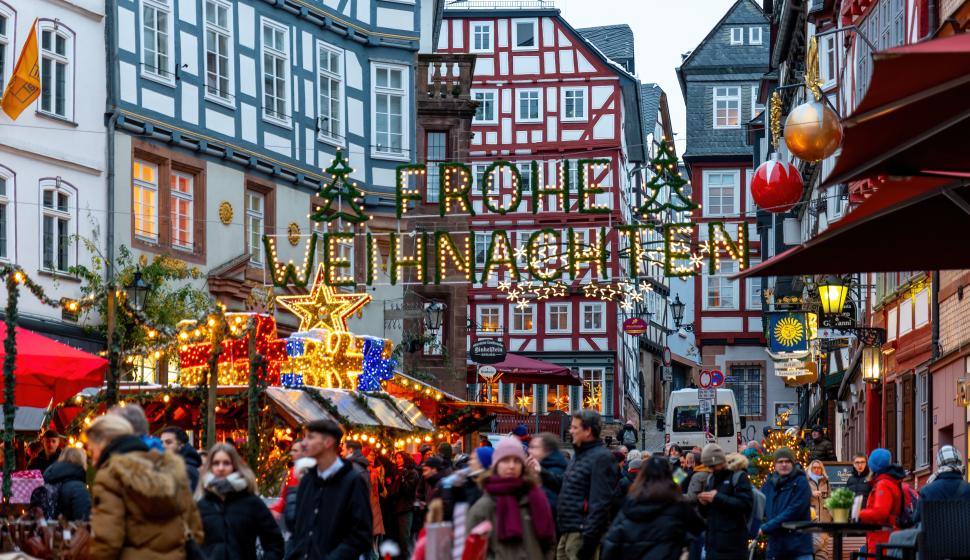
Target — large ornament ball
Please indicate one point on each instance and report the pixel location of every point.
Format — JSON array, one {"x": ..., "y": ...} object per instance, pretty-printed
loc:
[
  {"x": 813, "y": 131},
  {"x": 776, "y": 185}
]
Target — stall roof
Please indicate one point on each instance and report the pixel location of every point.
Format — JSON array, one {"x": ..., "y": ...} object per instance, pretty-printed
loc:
[
  {"x": 28, "y": 419},
  {"x": 297, "y": 406},
  {"x": 413, "y": 414}
]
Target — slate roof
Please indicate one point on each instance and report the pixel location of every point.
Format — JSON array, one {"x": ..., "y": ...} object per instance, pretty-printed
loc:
[
  {"x": 650, "y": 105},
  {"x": 615, "y": 41}
]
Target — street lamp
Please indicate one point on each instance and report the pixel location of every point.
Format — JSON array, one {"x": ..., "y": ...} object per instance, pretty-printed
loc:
[
  {"x": 677, "y": 310},
  {"x": 434, "y": 313},
  {"x": 832, "y": 292},
  {"x": 137, "y": 291},
  {"x": 871, "y": 364}
]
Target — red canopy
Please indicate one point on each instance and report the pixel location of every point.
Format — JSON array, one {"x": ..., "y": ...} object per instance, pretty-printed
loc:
[
  {"x": 49, "y": 370},
  {"x": 914, "y": 117},
  {"x": 520, "y": 369}
]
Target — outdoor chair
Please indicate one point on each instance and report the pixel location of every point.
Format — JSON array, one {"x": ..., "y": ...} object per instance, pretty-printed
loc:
[{"x": 943, "y": 535}]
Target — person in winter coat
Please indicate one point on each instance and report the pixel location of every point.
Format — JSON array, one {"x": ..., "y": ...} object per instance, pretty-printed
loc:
[
  {"x": 516, "y": 506},
  {"x": 947, "y": 484},
  {"x": 403, "y": 489},
  {"x": 587, "y": 488},
  {"x": 787, "y": 498},
  {"x": 818, "y": 483},
  {"x": 69, "y": 476},
  {"x": 142, "y": 504},
  {"x": 175, "y": 440},
  {"x": 49, "y": 453},
  {"x": 544, "y": 452},
  {"x": 233, "y": 516},
  {"x": 697, "y": 479},
  {"x": 819, "y": 447},
  {"x": 628, "y": 435},
  {"x": 291, "y": 482},
  {"x": 859, "y": 481},
  {"x": 726, "y": 505},
  {"x": 655, "y": 521},
  {"x": 886, "y": 498},
  {"x": 333, "y": 514},
  {"x": 377, "y": 488}
]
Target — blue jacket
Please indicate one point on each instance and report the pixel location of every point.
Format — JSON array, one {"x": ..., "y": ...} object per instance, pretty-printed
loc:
[
  {"x": 787, "y": 498},
  {"x": 947, "y": 486}
]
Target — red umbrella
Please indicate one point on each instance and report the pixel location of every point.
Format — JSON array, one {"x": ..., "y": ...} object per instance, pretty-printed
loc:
[{"x": 49, "y": 370}]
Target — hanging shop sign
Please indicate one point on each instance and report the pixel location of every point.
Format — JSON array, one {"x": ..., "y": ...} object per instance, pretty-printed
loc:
[
  {"x": 487, "y": 372},
  {"x": 845, "y": 319},
  {"x": 487, "y": 351},
  {"x": 787, "y": 332},
  {"x": 635, "y": 326}
]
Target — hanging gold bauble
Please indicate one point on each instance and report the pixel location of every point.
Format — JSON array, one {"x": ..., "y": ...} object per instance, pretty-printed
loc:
[{"x": 812, "y": 131}]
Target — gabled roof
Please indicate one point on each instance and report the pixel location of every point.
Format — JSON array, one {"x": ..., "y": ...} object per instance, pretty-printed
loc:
[
  {"x": 650, "y": 95},
  {"x": 615, "y": 41}
]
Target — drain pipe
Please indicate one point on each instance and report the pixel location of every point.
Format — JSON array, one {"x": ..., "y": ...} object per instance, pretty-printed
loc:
[
  {"x": 935, "y": 307},
  {"x": 111, "y": 112}
]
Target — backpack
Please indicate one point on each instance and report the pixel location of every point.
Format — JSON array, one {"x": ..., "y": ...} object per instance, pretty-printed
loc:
[
  {"x": 907, "y": 511},
  {"x": 755, "y": 517},
  {"x": 45, "y": 497},
  {"x": 629, "y": 437}
]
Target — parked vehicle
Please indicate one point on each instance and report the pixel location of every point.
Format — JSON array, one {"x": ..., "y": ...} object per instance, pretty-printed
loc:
[{"x": 687, "y": 427}]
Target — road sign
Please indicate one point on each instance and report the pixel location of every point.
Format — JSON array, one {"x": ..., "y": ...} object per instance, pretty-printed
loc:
[
  {"x": 706, "y": 406},
  {"x": 668, "y": 373},
  {"x": 705, "y": 394},
  {"x": 704, "y": 379},
  {"x": 717, "y": 378},
  {"x": 666, "y": 356}
]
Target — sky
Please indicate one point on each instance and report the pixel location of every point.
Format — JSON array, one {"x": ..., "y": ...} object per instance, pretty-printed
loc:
[{"x": 662, "y": 31}]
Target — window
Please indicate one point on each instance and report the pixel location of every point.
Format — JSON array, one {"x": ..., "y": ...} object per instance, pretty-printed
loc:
[
  {"x": 6, "y": 32},
  {"x": 144, "y": 177},
  {"x": 276, "y": 62},
  {"x": 344, "y": 248},
  {"x": 55, "y": 68},
  {"x": 218, "y": 42},
  {"x": 828, "y": 60},
  {"x": 390, "y": 106},
  {"x": 481, "y": 37},
  {"x": 597, "y": 391},
  {"x": 747, "y": 385},
  {"x": 921, "y": 308},
  {"x": 487, "y": 111},
  {"x": 156, "y": 40},
  {"x": 754, "y": 35},
  {"x": 482, "y": 240},
  {"x": 721, "y": 193},
  {"x": 721, "y": 290},
  {"x": 737, "y": 35},
  {"x": 529, "y": 105},
  {"x": 525, "y": 172},
  {"x": 922, "y": 419},
  {"x": 557, "y": 318},
  {"x": 255, "y": 225},
  {"x": 56, "y": 224},
  {"x": 687, "y": 418},
  {"x": 182, "y": 210},
  {"x": 525, "y": 34},
  {"x": 756, "y": 107},
  {"x": 891, "y": 323},
  {"x": 523, "y": 319},
  {"x": 574, "y": 104},
  {"x": 592, "y": 314},
  {"x": 885, "y": 26},
  {"x": 330, "y": 87},
  {"x": 489, "y": 319},
  {"x": 754, "y": 291},
  {"x": 437, "y": 147},
  {"x": 727, "y": 107},
  {"x": 5, "y": 191},
  {"x": 905, "y": 316}
]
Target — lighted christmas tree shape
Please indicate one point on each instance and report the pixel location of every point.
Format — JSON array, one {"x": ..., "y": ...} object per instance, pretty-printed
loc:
[
  {"x": 666, "y": 174},
  {"x": 342, "y": 191}
]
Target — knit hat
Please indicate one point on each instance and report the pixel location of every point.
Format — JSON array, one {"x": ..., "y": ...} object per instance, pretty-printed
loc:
[
  {"x": 879, "y": 460},
  {"x": 484, "y": 455},
  {"x": 712, "y": 454},
  {"x": 948, "y": 459},
  {"x": 508, "y": 447},
  {"x": 520, "y": 430},
  {"x": 635, "y": 464},
  {"x": 784, "y": 453}
]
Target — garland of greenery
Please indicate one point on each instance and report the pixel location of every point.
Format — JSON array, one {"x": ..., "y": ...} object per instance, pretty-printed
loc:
[
  {"x": 361, "y": 400},
  {"x": 442, "y": 239},
  {"x": 669, "y": 230},
  {"x": 419, "y": 263},
  {"x": 531, "y": 250},
  {"x": 329, "y": 260},
  {"x": 9, "y": 363},
  {"x": 461, "y": 194},
  {"x": 403, "y": 193},
  {"x": 489, "y": 179},
  {"x": 289, "y": 274},
  {"x": 539, "y": 191},
  {"x": 509, "y": 260},
  {"x": 741, "y": 253},
  {"x": 583, "y": 191},
  {"x": 371, "y": 261}
]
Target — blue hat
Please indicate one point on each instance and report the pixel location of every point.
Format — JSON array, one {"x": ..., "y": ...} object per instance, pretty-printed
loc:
[
  {"x": 484, "y": 455},
  {"x": 520, "y": 430},
  {"x": 879, "y": 460}
]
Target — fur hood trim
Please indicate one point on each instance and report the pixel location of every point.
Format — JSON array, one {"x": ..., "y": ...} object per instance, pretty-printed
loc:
[{"x": 150, "y": 474}]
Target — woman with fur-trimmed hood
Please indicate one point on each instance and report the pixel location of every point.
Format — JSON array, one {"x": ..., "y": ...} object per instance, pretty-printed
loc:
[{"x": 143, "y": 509}]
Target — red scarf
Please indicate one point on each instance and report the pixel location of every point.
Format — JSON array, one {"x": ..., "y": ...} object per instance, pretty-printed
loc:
[{"x": 507, "y": 493}]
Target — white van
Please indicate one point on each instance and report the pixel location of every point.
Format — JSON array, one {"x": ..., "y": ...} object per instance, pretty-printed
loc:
[{"x": 685, "y": 426}]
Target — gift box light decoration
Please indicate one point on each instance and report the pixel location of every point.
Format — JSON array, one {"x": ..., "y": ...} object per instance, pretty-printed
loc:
[
  {"x": 378, "y": 365},
  {"x": 234, "y": 359},
  {"x": 340, "y": 360}
]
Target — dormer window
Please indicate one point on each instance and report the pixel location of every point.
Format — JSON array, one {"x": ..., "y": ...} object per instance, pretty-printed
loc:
[
  {"x": 754, "y": 35},
  {"x": 737, "y": 35}
]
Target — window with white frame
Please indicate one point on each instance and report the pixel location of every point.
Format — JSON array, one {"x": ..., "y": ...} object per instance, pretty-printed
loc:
[
  {"x": 922, "y": 419},
  {"x": 390, "y": 110},
  {"x": 157, "y": 44},
  {"x": 754, "y": 35},
  {"x": 525, "y": 34},
  {"x": 746, "y": 381},
  {"x": 489, "y": 318},
  {"x": 721, "y": 192},
  {"x": 752, "y": 206},
  {"x": 596, "y": 390},
  {"x": 523, "y": 318},
  {"x": 481, "y": 37},
  {"x": 330, "y": 91},
  {"x": 737, "y": 35},
  {"x": 487, "y": 111},
  {"x": 255, "y": 220},
  {"x": 56, "y": 227},
  {"x": 6, "y": 189},
  {"x": 482, "y": 240},
  {"x": 754, "y": 290},
  {"x": 557, "y": 318},
  {"x": 6, "y": 34},
  {"x": 727, "y": 107},
  {"x": 525, "y": 172},
  {"x": 756, "y": 107},
  {"x": 218, "y": 49},
  {"x": 182, "y": 208},
  {"x": 592, "y": 316},
  {"x": 528, "y": 105},
  {"x": 573, "y": 104},
  {"x": 56, "y": 56},
  {"x": 437, "y": 152},
  {"x": 885, "y": 26},
  {"x": 276, "y": 68},
  {"x": 144, "y": 192},
  {"x": 828, "y": 60},
  {"x": 721, "y": 290}
]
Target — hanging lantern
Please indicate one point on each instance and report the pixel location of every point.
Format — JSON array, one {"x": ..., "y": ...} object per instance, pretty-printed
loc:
[
  {"x": 813, "y": 131},
  {"x": 776, "y": 185}
]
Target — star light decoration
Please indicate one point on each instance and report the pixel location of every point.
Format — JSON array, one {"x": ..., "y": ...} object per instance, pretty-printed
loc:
[{"x": 324, "y": 307}]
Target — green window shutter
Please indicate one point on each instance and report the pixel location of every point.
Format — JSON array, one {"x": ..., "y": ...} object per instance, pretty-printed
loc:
[
  {"x": 540, "y": 399},
  {"x": 575, "y": 398},
  {"x": 507, "y": 393}
]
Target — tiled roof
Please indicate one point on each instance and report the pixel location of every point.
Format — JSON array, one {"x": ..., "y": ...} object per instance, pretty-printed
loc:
[
  {"x": 650, "y": 105},
  {"x": 615, "y": 41}
]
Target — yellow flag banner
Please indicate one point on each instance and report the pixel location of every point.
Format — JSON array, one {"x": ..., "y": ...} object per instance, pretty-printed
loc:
[{"x": 24, "y": 86}]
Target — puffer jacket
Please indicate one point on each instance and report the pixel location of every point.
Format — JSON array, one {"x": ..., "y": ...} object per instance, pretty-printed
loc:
[
  {"x": 193, "y": 462},
  {"x": 232, "y": 525},
  {"x": 698, "y": 480},
  {"x": 787, "y": 498},
  {"x": 651, "y": 531},
  {"x": 727, "y": 516},
  {"x": 860, "y": 484},
  {"x": 587, "y": 489},
  {"x": 73, "y": 498},
  {"x": 142, "y": 504},
  {"x": 527, "y": 548},
  {"x": 884, "y": 505}
]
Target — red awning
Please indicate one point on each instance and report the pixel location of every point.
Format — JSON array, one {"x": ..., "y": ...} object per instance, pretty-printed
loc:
[
  {"x": 915, "y": 116},
  {"x": 48, "y": 370},
  {"x": 915, "y": 224},
  {"x": 520, "y": 369}
]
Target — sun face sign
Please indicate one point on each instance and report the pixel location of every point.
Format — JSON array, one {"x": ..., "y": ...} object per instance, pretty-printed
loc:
[{"x": 789, "y": 331}]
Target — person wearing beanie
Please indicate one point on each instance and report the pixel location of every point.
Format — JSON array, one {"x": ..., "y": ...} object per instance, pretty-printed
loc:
[
  {"x": 885, "y": 501},
  {"x": 516, "y": 506},
  {"x": 787, "y": 499},
  {"x": 484, "y": 457},
  {"x": 546, "y": 458},
  {"x": 726, "y": 503},
  {"x": 628, "y": 435},
  {"x": 819, "y": 447},
  {"x": 947, "y": 483}
]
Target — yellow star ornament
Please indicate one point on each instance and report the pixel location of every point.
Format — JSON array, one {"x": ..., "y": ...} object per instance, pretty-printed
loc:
[{"x": 324, "y": 307}]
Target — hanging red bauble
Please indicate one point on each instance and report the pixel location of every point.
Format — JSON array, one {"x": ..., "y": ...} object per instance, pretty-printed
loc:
[{"x": 776, "y": 185}]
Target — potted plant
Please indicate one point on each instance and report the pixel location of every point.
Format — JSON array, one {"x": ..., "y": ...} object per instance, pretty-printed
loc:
[{"x": 839, "y": 503}]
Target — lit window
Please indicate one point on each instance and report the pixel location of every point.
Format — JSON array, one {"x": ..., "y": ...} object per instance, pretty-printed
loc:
[
  {"x": 557, "y": 318},
  {"x": 489, "y": 319},
  {"x": 276, "y": 62},
  {"x": 255, "y": 220},
  {"x": 56, "y": 216},
  {"x": 330, "y": 86},
  {"x": 574, "y": 104},
  {"x": 182, "y": 210},
  {"x": 727, "y": 107},
  {"x": 481, "y": 37},
  {"x": 529, "y": 106},
  {"x": 524, "y": 34},
  {"x": 390, "y": 105},
  {"x": 597, "y": 391},
  {"x": 55, "y": 68},
  {"x": 592, "y": 315},
  {"x": 524, "y": 319},
  {"x": 737, "y": 35},
  {"x": 156, "y": 39},
  {"x": 144, "y": 193},
  {"x": 218, "y": 45},
  {"x": 487, "y": 111}
]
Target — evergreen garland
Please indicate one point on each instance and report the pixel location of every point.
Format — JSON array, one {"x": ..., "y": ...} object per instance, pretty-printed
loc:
[{"x": 9, "y": 364}]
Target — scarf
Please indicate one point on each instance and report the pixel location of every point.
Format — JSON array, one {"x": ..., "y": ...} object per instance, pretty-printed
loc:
[
  {"x": 816, "y": 477},
  {"x": 508, "y": 520},
  {"x": 222, "y": 487}
]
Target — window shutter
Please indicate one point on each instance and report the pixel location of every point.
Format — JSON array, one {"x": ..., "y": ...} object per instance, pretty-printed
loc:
[
  {"x": 507, "y": 393},
  {"x": 889, "y": 405},
  {"x": 575, "y": 398},
  {"x": 540, "y": 398},
  {"x": 607, "y": 396},
  {"x": 909, "y": 425}
]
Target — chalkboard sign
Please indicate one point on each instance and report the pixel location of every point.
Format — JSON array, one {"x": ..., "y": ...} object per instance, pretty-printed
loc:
[{"x": 838, "y": 473}]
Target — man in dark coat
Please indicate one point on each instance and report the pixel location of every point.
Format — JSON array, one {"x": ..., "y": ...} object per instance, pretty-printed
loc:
[
  {"x": 549, "y": 462},
  {"x": 787, "y": 498},
  {"x": 819, "y": 447},
  {"x": 948, "y": 483},
  {"x": 175, "y": 440},
  {"x": 587, "y": 490},
  {"x": 726, "y": 503},
  {"x": 73, "y": 498},
  {"x": 333, "y": 512},
  {"x": 49, "y": 453},
  {"x": 858, "y": 482}
]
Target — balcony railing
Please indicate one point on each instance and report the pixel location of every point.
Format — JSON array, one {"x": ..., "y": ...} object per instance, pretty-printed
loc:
[{"x": 444, "y": 76}]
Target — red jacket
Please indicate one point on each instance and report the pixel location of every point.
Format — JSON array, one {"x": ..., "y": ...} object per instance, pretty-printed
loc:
[
  {"x": 291, "y": 480},
  {"x": 884, "y": 505}
]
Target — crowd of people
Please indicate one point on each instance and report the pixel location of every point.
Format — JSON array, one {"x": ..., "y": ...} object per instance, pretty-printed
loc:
[{"x": 527, "y": 498}]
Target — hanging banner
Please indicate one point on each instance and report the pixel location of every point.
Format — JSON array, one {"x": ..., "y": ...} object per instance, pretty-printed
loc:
[{"x": 787, "y": 332}]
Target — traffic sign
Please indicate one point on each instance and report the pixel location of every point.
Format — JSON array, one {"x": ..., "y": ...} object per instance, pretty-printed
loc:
[
  {"x": 705, "y": 394},
  {"x": 717, "y": 378},
  {"x": 666, "y": 356},
  {"x": 667, "y": 373},
  {"x": 704, "y": 380},
  {"x": 706, "y": 406}
]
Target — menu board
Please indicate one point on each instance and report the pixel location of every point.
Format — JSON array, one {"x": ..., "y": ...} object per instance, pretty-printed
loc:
[{"x": 838, "y": 473}]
